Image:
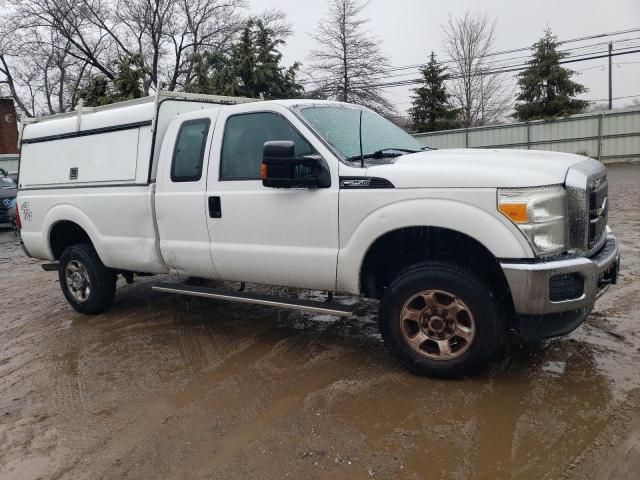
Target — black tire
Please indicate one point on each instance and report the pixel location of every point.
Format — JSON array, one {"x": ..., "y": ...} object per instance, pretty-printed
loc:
[
  {"x": 102, "y": 280},
  {"x": 436, "y": 278}
]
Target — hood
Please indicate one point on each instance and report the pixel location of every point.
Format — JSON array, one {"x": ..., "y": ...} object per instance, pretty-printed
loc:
[{"x": 480, "y": 168}]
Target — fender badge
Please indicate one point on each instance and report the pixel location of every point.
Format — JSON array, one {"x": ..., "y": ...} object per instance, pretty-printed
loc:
[{"x": 356, "y": 182}]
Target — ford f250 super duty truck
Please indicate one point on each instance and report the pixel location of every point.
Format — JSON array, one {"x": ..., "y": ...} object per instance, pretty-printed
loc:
[{"x": 459, "y": 246}]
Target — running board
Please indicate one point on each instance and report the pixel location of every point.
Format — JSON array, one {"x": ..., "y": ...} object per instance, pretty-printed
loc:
[{"x": 256, "y": 298}]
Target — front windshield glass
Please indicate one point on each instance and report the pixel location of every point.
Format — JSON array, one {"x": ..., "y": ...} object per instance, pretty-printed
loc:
[
  {"x": 7, "y": 182},
  {"x": 339, "y": 125}
]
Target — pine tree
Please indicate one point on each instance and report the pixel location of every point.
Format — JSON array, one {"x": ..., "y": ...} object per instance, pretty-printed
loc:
[
  {"x": 213, "y": 74},
  {"x": 129, "y": 79},
  {"x": 430, "y": 109},
  {"x": 127, "y": 85},
  {"x": 253, "y": 67},
  {"x": 546, "y": 88}
]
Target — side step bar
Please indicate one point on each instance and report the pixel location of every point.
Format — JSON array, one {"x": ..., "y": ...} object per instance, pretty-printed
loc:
[{"x": 255, "y": 298}]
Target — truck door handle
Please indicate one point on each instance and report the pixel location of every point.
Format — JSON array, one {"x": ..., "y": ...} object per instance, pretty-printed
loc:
[{"x": 215, "y": 210}]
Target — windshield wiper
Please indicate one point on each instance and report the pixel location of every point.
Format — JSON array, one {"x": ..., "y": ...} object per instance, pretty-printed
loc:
[{"x": 384, "y": 153}]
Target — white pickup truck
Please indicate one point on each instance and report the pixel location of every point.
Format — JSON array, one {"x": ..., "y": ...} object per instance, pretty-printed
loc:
[{"x": 459, "y": 246}]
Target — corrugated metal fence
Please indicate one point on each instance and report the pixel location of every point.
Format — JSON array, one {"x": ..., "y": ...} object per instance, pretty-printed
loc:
[{"x": 608, "y": 136}]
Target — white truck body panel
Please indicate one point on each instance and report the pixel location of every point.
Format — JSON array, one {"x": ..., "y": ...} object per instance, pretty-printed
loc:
[
  {"x": 274, "y": 236},
  {"x": 120, "y": 240},
  {"x": 477, "y": 168},
  {"x": 117, "y": 164},
  {"x": 371, "y": 214},
  {"x": 180, "y": 209}
]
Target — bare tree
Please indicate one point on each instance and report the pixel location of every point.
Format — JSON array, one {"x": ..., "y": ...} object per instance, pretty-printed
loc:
[
  {"x": 348, "y": 59},
  {"x": 37, "y": 68},
  {"x": 50, "y": 48},
  {"x": 476, "y": 90}
]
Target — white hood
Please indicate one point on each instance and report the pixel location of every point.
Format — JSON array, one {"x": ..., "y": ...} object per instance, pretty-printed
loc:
[{"x": 477, "y": 168}]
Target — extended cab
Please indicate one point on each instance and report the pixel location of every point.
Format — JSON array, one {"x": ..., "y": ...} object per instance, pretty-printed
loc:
[{"x": 459, "y": 246}]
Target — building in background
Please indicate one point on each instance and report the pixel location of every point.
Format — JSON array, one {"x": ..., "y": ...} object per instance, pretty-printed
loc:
[{"x": 9, "y": 150}]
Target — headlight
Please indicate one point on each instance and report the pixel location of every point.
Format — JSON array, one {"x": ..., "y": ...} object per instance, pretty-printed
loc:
[{"x": 539, "y": 213}]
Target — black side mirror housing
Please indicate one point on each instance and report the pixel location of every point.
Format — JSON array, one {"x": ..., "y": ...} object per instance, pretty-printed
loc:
[{"x": 282, "y": 169}]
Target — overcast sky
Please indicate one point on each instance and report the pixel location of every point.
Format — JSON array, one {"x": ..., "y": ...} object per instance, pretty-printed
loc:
[{"x": 410, "y": 29}]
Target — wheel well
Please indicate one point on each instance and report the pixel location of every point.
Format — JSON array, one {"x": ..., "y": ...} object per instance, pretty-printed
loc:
[
  {"x": 398, "y": 249},
  {"x": 64, "y": 234}
]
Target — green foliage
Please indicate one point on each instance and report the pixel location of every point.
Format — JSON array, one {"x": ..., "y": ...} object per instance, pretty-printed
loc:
[
  {"x": 96, "y": 92},
  {"x": 252, "y": 68},
  {"x": 546, "y": 88},
  {"x": 127, "y": 85},
  {"x": 212, "y": 74},
  {"x": 430, "y": 109},
  {"x": 129, "y": 80}
]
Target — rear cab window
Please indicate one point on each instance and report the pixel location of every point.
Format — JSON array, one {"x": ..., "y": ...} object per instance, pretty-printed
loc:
[{"x": 188, "y": 153}]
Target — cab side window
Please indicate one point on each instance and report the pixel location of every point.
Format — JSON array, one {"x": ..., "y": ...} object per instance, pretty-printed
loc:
[
  {"x": 244, "y": 139},
  {"x": 188, "y": 152}
]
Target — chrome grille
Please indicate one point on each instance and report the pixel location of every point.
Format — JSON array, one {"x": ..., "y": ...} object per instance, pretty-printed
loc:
[{"x": 587, "y": 210}]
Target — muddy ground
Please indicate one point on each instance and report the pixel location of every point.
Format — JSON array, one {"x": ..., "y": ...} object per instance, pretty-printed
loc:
[{"x": 173, "y": 387}]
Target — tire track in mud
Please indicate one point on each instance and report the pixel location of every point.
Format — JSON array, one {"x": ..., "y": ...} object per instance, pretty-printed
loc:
[{"x": 219, "y": 390}]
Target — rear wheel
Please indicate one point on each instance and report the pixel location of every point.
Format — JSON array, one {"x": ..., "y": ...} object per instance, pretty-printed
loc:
[
  {"x": 87, "y": 284},
  {"x": 440, "y": 320}
]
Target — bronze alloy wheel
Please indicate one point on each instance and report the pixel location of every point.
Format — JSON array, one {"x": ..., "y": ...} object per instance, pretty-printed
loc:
[{"x": 437, "y": 324}]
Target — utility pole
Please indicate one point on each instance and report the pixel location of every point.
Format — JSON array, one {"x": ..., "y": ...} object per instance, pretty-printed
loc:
[{"x": 610, "y": 77}]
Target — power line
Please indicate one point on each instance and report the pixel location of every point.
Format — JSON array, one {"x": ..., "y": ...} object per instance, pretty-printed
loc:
[
  {"x": 503, "y": 69},
  {"x": 521, "y": 49},
  {"x": 523, "y": 63},
  {"x": 509, "y": 69},
  {"x": 615, "y": 98}
]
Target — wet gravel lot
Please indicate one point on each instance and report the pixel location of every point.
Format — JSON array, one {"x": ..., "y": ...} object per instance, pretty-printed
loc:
[{"x": 174, "y": 387}]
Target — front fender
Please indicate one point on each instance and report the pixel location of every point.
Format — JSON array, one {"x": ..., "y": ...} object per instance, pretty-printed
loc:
[{"x": 495, "y": 232}]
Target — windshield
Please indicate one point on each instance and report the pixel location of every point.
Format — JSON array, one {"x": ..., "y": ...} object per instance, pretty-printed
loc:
[
  {"x": 339, "y": 126},
  {"x": 7, "y": 182}
]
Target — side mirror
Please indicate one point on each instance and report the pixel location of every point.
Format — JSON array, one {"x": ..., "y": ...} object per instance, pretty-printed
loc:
[{"x": 282, "y": 169}]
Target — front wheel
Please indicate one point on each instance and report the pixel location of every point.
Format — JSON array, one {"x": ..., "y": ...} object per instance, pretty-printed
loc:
[
  {"x": 87, "y": 284},
  {"x": 440, "y": 320}
]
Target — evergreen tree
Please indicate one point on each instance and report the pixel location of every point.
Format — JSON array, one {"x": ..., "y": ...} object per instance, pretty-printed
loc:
[
  {"x": 430, "y": 108},
  {"x": 546, "y": 88},
  {"x": 127, "y": 85},
  {"x": 213, "y": 74},
  {"x": 96, "y": 92},
  {"x": 130, "y": 77},
  {"x": 253, "y": 67}
]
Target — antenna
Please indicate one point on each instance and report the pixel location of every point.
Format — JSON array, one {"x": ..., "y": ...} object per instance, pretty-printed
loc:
[{"x": 360, "y": 133}]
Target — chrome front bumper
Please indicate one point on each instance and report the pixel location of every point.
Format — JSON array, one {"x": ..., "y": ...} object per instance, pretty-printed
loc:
[{"x": 529, "y": 282}]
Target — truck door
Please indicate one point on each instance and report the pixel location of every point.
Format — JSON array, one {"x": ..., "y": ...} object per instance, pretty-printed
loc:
[
  {"x": 180, "y": 196},
  {"x": 266, "y": 235}
]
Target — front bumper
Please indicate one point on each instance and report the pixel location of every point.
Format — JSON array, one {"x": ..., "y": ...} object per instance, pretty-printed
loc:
[{"x": 530, "y": 282}]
